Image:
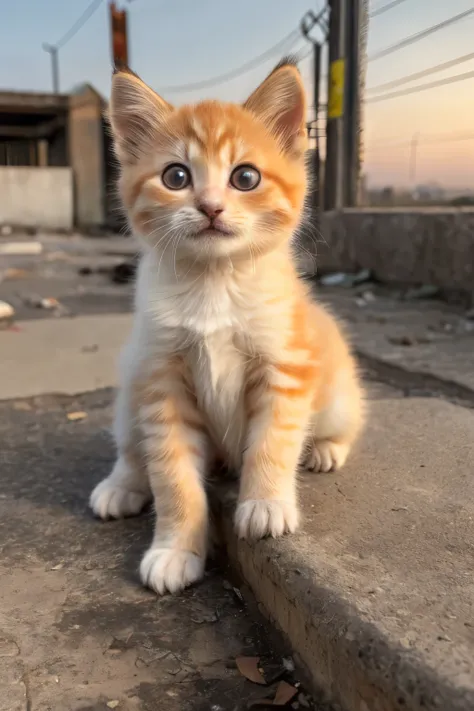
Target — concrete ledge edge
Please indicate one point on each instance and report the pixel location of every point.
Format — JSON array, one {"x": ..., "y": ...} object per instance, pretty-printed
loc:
[{"x": 349, "y": 659}]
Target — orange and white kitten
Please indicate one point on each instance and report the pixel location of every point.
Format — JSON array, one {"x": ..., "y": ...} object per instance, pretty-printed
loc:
[{"x": 229, "y": 358}]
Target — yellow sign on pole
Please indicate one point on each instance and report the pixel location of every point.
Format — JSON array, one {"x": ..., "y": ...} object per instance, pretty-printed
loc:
[{"x": 336, "y": 89}]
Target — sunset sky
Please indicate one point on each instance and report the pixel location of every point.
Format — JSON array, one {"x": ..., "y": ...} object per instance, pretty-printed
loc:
[{"x": 174, "y": 42}]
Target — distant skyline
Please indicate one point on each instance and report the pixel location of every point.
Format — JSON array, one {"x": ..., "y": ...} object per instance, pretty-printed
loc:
[{"x": 185, "y": 41}]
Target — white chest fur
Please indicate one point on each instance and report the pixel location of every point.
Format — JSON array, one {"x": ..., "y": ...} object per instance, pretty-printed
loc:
[
  {"x": 218, "y": 368},
  {"x": 209, "y": 322}
]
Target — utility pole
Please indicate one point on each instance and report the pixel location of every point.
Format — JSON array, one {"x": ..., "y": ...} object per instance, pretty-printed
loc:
[
  {"x": 356, "y": 64},
  {"x": 334, "y": 169},
  {"x": 53, "y": 52},
  {"x": 119, "y": 36},
  {"x": 307, "y": 24}
]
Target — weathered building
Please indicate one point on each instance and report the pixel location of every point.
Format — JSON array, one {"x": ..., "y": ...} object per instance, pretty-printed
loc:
[{"x": 57, "y": 169}]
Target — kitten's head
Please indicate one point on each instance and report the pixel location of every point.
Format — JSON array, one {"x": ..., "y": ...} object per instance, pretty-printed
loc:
[{"x": 212, "y": 179}]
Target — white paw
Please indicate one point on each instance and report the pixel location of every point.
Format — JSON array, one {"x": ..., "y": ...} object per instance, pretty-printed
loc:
[
  {"x": 170, "y": 570},
  {"x": 110, "y": 500},
  {"x": 324, "y": 456},
  {"x": 259, "y": 518}
]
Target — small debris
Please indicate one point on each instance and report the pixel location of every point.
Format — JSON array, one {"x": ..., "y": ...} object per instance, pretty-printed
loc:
[
  {"x": 93, "y": 348},
  {"x": 284, "y": 694},
  {"x": 336, "y": 279},
  {"x": 22, "y": 406},
  {"x": 368, "y": 296},
  {"x": 345, "y": 279},
  {"x": 57, "y": 567},
  {"x": 125, "y": 272},
  {"x": 21, "y": 248},
  {"x": 399, "y": 508},
  {"x": 7, "y": 312},
  {"x": 304, "y": 701},
  {"x": 76, "y": 416},
  {"x": 248, "y": 667},
  {"x": 401, "y": 340},
  {"x": 113, "y": 704},
  {"x": 12, "y": 273},
  {"x": 49, "y": 303},
  {"x": 425, "y": 291},
  {"x": 238, "y": 594}
]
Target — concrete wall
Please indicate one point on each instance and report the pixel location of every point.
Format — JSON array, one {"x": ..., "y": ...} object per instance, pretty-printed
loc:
[
  {"x": 86, "y": 150},
  {"x": 36, "y": 197},
  {"x": 418, "y": 246}
]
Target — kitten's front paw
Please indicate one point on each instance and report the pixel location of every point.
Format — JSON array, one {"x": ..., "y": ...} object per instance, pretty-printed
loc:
[
  {"x": 259, "y": 518},
  {"x": 324, "y": 456},
  {"x": 170, "y": 570},
  {"x": 110, "y": 500}
]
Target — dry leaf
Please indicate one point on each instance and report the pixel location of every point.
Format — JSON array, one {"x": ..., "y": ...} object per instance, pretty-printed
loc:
[
  {"x": 75, "y": 416},
  {"x": 248, "y": 667},
  {"x": 22, "y": 406},
  {"x": 284, "y": 693},
  {"x": 113, "y": 704}
]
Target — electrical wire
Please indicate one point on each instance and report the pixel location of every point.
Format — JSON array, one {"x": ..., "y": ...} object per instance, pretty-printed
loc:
[
  {"x": 385, "y": 8},
  {"x": 428, "y": 140},
  {"x": 421, "y": 87},
  {"x": 420, "y": 35},
  {"x": 425, "y": 72},
  {"x": 284, "y": 44},
  {"x": 79, "y": 23}
]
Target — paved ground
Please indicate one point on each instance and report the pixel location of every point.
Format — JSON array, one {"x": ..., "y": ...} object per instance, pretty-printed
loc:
[
  {"x": 77, "y": 630},
  {"x": 386, "y": 550}
]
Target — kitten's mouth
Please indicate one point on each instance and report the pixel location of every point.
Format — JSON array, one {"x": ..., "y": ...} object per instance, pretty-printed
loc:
[{"x": 215, "y": 230}]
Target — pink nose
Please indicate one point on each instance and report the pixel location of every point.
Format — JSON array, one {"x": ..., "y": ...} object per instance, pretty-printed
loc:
[{"x": 210, "y": 209}]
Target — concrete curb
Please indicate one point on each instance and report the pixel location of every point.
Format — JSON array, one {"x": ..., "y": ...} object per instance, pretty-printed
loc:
[
  {"x": 349, "y": 659},
  {"x": 375, "y": 593}
]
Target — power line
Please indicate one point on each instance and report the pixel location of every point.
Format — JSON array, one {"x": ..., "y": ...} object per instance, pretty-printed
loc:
[
  {"x": 432, "y": 137},
  {"x": 420, "y": 35},
  {"x": 285, "y": 43},
  {"x": 421, "y": 87},
  {"x": 428, "y": 140},
  {"x": 80, "y": 22},
  {"x": 385, "y": 8},
  {"x": 425, "y": 72}
]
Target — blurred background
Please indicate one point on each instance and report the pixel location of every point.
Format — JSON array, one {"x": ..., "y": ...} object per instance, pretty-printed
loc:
[{"x": 407, "y": 108}]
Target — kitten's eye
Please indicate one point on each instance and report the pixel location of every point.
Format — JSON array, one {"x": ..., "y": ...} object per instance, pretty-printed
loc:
[
  {"x": 176, "y": 177},
  {"x": 245, "y": 177}
]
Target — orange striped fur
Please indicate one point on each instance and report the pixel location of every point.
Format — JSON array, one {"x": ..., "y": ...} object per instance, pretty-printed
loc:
[{"x": 229, "y": 356}]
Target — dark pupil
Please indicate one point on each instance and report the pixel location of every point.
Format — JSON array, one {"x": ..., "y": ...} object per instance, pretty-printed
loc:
[
  {"x": 245, "y": 178},
  {"x": 178, "y": 177}
]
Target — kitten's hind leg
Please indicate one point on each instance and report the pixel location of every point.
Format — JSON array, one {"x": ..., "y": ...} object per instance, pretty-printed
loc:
[
  {"x": 334, "y": 428},
  {"x": 126, "y": 490}
]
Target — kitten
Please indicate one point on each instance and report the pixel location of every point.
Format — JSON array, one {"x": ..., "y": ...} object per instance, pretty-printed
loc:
[{"x": 229, "y": 358}]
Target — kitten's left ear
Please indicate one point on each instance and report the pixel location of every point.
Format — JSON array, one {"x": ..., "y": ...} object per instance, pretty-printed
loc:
[
  {"x": 280, "y": 102},
  {"x": 136, "y": 113}
]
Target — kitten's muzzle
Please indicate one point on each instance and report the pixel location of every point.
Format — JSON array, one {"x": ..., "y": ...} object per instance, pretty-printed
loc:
[{"x": 216, "y": 227}]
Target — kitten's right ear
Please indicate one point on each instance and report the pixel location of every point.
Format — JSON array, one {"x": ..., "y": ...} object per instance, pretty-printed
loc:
[
  {"x": 280, "y": 102},
  {"x": 136, "y": 113}
]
